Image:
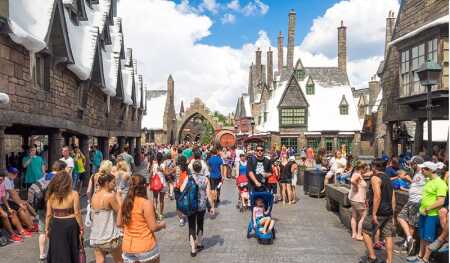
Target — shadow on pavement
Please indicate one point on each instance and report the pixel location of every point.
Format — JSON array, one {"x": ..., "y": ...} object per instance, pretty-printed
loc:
[{"x": 212, "y": 241}]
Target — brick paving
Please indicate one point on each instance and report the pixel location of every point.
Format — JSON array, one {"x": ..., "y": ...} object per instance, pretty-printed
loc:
[{"x": 306, "y": 232}]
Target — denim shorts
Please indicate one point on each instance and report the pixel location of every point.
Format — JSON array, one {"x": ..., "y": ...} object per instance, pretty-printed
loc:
[
  {"x": 428, "y": 227},
  {"x": 141, "y": 257}
]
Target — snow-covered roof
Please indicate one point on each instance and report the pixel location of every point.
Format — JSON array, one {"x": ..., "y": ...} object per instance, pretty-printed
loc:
[
  {"x": 439, "y": 130},
  {"x": 154, "y": 119},
  {"x": 323, "y": 110},
  {"x": 31, "y": 22},
  {"x": 439, "y": 21}
]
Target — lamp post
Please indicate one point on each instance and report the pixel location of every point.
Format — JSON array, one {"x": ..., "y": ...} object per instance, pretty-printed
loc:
[
  {"x": 429, "y": 74},
  {"x": 252, "y": 123}
]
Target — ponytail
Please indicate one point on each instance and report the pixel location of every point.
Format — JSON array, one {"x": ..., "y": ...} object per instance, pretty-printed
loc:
[{"x": 136, "y": 189}]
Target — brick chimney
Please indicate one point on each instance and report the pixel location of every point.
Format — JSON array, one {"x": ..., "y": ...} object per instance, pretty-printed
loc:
[
  {"x": 280, "y": 52},
  {"x": 291, "y": 40},
  {"x": 342, "y": 47},
  {"x": 129, "y": 57},
  {"x": 374, "y": 89},
  {"x": 390, "y": 23},
  {"x": 250, "y": 82},
  {"x": 269, "y": 68}
]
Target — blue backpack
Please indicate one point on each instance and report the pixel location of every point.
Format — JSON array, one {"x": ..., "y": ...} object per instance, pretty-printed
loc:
[{"x": 187, "y": 201}]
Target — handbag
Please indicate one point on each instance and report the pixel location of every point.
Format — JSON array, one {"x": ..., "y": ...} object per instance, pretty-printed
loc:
[{"x": 82, "y": 254}]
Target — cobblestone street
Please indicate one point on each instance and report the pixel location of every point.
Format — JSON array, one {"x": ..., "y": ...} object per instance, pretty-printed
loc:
[{"x": 306, "y": 232}]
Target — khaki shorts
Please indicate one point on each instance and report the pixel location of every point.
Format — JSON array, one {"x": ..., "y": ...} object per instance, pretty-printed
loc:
[
  {"x": 387, "y": 226},
  {"x": 358, "y": 205},
  {"x": 110, "y": 246}
]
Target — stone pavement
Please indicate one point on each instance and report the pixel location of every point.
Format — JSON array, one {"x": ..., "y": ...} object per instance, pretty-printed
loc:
[{"x": 306, "y": 232}]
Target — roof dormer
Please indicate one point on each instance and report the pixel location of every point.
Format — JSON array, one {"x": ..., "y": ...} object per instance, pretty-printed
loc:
[{"x": 343, "y": 106}]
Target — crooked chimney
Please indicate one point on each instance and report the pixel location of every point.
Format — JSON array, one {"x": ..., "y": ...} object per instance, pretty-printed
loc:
[
  {"x": 374, "y": 89},
  {"x": 280, "y": 52},
  {"x": 291, "y": 40},
  {"x": 269, "y": 68},
  {"x": 342, "y": 47}
]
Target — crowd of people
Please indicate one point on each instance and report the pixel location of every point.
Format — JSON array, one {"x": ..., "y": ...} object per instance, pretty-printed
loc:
[{"x": 126, "y": 196}]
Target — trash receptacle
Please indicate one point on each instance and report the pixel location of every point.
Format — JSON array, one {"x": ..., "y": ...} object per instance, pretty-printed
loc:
[
  {"x": 306, "y": 176},
  {"x": 315, "y": 182}
]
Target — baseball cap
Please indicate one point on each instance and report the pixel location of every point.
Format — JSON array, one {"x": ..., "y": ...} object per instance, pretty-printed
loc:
[
  {"x": 13, "y": 170},
  {"x": 292, "y": 158},
  {"x": 416, "y": 159},
  {"x": 429, "y": 165}
]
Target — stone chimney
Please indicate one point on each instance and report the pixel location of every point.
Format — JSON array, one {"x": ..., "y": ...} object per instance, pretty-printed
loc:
[
  {"x": 269, "y": 68},
  {"x": 258, "y": 58},
  {"x": 291, "y": 40},
  {"x": 181, "y": 108},
  {"x": 342, "y": 47},
  {"x": 280, "y": 52},
  {"x": 250, "y": 83},
  {"x": 374, "y": 89},
  {"x": 390, "y": 23},
  {"x": 170, "y": 88}
]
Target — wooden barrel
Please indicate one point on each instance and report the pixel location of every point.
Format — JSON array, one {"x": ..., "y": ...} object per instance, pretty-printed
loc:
[{"x": 225, "y": 138}]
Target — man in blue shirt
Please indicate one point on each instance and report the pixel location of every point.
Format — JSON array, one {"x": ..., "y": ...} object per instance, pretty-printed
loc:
[
  {"x": 215, "y": 177},
  {"x": 96, "y": 159}
]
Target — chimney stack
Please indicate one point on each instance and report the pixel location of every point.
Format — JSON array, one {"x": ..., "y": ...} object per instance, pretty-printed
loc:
[
  {"x": 269, "y": 68},
  {"x": 390, "y": 23},
  {"x": 342, "y": 47},
  {"x": 258, "y": 58},
  {"x": 374, "y": 89},
  {"x": 280, "y": 52},
  {"x": 250, "y": 82},
  {"x": 291, "y": 40},
  {"x": 128, "y": 57}
]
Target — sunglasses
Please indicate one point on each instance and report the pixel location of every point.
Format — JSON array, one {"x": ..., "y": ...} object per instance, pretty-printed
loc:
[{"x": 259, "y": 150}]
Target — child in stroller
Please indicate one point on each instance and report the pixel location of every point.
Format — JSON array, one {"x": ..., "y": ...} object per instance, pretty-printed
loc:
[
  {"x": 242, "y": 186},
  {"x": 261, "y": 221}
]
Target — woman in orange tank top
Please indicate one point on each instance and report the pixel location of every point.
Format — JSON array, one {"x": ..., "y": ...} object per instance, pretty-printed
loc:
[{"x": 137, "y": 216}]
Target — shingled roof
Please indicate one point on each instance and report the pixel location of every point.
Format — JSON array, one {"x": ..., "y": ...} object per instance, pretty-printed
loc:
[{"x": 327, "y": 76}]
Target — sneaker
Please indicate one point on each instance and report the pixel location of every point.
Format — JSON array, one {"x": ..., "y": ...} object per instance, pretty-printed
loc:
[
  {"x": 379, "y": 246},
  {"x": 15, "y": 238},
  {"x": 435, "y": 245},
  {"x": 444, "y": 248},
  {"x": 182, "y": 222},
  {"x": 34, "y": 229},
  {"x": 412, "y": 258},
  {"x": 26, "y": 233}
]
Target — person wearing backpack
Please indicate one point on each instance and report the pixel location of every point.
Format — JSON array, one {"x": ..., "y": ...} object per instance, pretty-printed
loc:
[
  {"x": 158, "y": 184},
  {"x": 195, "y": 192}
]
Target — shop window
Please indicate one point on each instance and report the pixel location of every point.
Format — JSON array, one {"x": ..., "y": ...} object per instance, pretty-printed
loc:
[
  {"x": 293, "y": 117},
  {"x": 314, "y": 143},
  {"x": 42, "y": 71}
]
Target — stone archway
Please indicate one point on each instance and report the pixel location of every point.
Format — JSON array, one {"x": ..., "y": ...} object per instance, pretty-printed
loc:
[{"x": 196, "y": 108}]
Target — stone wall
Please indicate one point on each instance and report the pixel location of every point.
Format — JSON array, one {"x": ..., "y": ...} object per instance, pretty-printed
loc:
[{"x": 58, "y": 107}]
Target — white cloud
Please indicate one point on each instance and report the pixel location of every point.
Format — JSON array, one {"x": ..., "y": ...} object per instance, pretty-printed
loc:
[
  {"x": 210, "y": 5},
  {"x": 365, "y": 22},
  {"x": 234, "y": 5},
  {"x": 255, "y": 7},
  {"x": 168, "y": 43},
  {"x": 228, "y": 19}
]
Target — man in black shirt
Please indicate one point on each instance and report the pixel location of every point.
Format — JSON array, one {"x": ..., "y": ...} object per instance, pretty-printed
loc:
[
  {"x": 380, "y": 215},
  {"x": 259, "y": 168}
]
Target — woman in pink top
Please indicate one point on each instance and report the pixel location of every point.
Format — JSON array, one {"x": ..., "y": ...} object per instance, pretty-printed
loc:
[{"x": 357, "y": 197}]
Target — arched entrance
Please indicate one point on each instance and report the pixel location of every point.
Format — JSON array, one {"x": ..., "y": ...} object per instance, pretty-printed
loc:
[{"x": 197, "y": 124}]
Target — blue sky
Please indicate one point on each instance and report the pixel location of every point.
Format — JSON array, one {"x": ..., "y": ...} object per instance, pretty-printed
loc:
[{"x": 245, "y": 27}]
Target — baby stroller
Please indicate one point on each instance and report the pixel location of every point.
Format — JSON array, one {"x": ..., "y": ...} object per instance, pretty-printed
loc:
[
  {"x": 242, "y": 186},
  {"x": 268, "y": 237}
]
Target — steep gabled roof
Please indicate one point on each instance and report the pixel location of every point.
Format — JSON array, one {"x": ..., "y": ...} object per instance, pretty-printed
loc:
[
  {"x": 344, "y": 101},
  {"x": 57, "y": 38},
  {"x": 293, "y": 95},
  {"x": 299, "y": 65},
  {"x": 309, "y": 81},
  {"x": 327, "y": 76}
]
